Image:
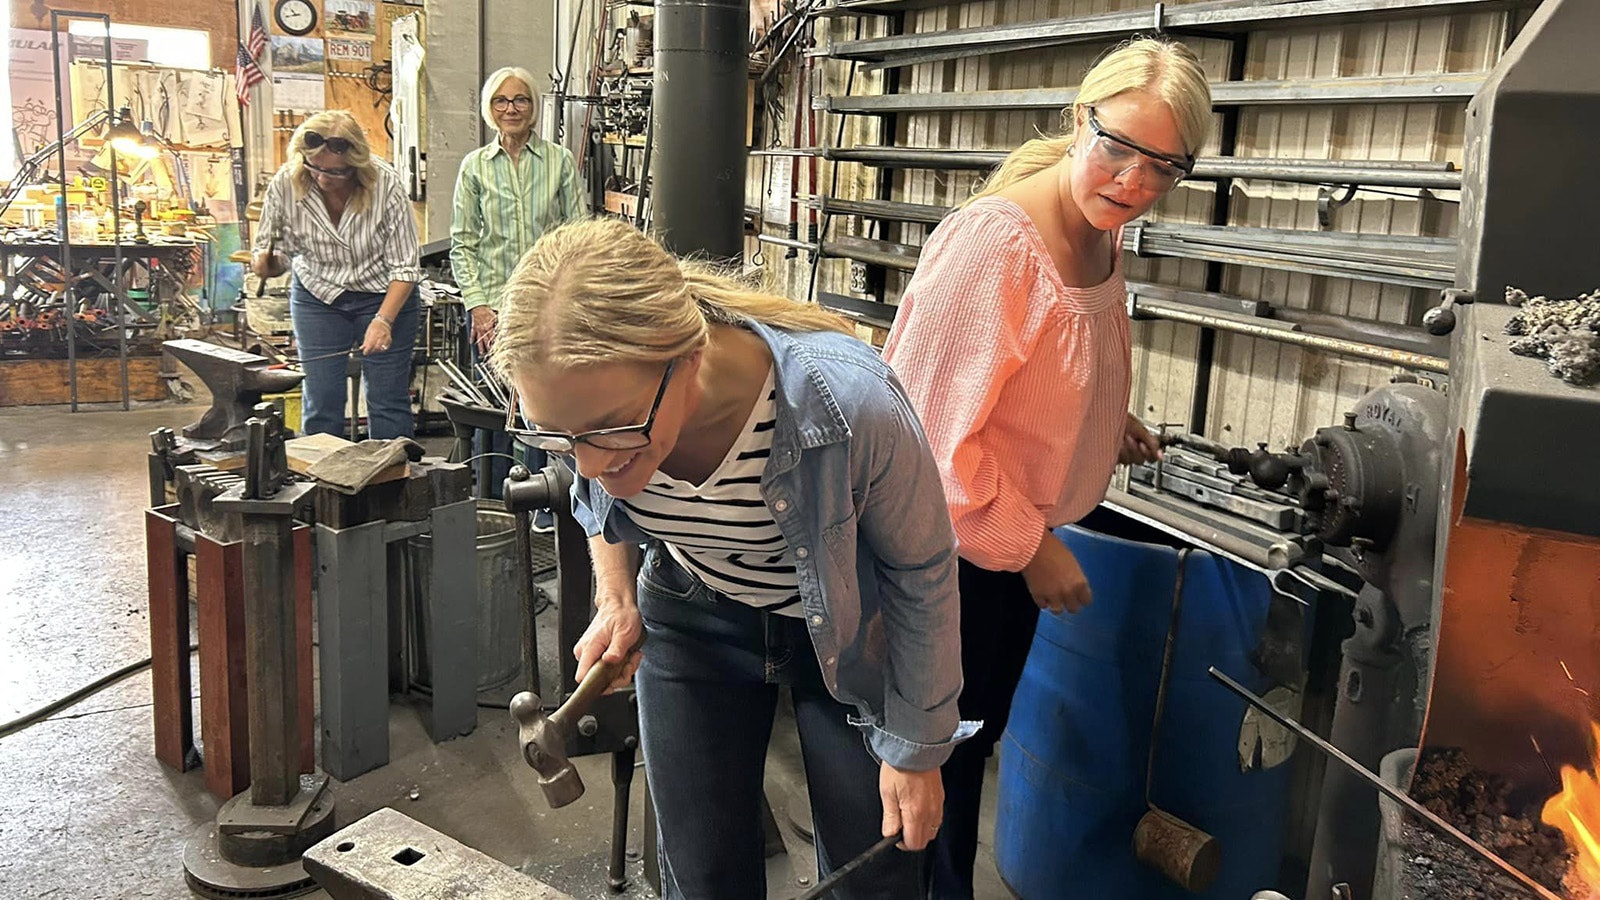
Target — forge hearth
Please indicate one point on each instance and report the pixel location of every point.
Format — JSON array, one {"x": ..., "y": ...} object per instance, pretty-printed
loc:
[{"x": 1414, "y": 863}]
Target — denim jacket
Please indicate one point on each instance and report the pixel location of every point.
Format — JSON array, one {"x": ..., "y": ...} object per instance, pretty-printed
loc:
[{"x": 855, "y": 491}]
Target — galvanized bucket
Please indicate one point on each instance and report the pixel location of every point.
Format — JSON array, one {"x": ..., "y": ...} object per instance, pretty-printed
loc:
[{"x": 499, "y": 647}]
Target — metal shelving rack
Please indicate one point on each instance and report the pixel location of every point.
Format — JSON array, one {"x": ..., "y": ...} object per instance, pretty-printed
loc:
[{"x": 1417, "y": 262}]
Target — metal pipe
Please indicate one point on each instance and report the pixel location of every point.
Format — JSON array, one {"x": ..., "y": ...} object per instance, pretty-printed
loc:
[
  {"x": 1427, "y": 815},
  {"x": 1374, "y": 89},
  {"x": 1208, "y": 537},
  {"x": 1368, "y": 173},
  {"x": 68, "y": 313},
  {"x": 901, "y": 257},
  {"x": 644, "y": 169},
  {"x": 701, "y": 75},
  {"x": 786, "y": 242},
  {"x": 1248, "y": 15},
  {"x": 1175, "y": 312},
  {"x": 116, "y": 222}
]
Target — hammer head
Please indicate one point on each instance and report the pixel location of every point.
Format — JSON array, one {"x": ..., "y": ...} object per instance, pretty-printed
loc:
[{"x": 544, "y": 747}]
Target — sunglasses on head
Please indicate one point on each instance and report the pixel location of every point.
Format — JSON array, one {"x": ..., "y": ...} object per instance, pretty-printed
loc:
[{"x": 338, "y": 145}]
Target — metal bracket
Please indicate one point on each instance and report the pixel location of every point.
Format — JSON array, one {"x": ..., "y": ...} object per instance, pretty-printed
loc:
[{"x": 1327, "y": 203}]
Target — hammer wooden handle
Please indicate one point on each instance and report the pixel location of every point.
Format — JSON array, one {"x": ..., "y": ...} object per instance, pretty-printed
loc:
[{"x": 594, "y": 684}]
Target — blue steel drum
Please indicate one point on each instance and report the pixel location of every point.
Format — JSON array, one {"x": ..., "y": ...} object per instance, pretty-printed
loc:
[{"x": 1073, "y": 756}]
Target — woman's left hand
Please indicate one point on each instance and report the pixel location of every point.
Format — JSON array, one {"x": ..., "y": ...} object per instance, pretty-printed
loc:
[
  {"x": 378, "y": 338},
  {"x": 913, "y": 804},
  {"x": 1138, "y": 444}
]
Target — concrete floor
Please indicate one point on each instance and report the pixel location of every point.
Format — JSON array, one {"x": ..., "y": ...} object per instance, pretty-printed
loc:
[{"x": 86, "y": 812}]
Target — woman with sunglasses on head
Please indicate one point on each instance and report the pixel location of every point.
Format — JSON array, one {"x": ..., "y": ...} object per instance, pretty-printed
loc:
[
  {"x": 796, "y": 535},
  {"x": 340, "y": 220},
  {"x": 1013, "y": 342}
]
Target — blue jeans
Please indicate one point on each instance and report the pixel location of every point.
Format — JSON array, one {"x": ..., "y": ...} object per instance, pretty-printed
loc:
[
  {"x": 324, "y": 328},
  {"x": 708, "y": 689}
]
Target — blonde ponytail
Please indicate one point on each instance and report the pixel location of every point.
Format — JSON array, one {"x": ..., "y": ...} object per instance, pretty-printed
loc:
[
  {"x": 599, "y": 291},
  {"x": 726, "y": 298}
]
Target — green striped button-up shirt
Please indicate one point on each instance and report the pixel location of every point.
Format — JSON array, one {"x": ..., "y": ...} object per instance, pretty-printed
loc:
[{"x": 502, "y": 208}]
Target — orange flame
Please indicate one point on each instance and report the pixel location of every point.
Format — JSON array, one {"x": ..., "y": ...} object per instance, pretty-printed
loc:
[{"x": 1576, "y": 812}]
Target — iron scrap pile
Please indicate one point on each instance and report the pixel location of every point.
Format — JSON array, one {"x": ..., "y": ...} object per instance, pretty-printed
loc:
[{"x": 1564, "y": 333}]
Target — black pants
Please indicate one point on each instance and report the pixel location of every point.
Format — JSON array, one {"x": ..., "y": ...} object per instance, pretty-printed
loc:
[{"x": 998, "y": 618}]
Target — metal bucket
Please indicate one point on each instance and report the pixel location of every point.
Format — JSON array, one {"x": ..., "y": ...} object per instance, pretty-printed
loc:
[{"x": 499, "y": 643}]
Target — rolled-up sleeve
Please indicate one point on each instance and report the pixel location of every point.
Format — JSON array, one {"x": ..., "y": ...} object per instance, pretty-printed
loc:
[{"x": 401, "y": 253}]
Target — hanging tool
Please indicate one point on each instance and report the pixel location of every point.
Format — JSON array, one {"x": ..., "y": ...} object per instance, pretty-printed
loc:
[
  {"x": 1428, "y": 816},
  {"x": 1183, "y": 853},
  {"x": 839, "y": 875}
]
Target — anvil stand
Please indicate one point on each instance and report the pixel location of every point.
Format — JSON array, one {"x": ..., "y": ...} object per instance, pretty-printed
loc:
[{"x": 253, "y": 848}]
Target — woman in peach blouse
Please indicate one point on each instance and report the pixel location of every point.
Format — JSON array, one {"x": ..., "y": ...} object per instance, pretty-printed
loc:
[{"x": 1013, "y": 342}]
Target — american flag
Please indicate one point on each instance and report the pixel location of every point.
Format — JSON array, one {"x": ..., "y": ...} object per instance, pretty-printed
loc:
[
  {"x": 247, "y": 74},
  {"x": 257, "y": 40}
]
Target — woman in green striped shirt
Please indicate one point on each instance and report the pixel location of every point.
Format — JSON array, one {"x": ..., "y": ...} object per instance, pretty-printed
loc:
[{"x": 509, "y": 193}]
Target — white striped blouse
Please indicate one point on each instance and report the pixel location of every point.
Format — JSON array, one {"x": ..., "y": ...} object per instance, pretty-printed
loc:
[
  {"x": 367, "y": 250},
  {"x": 721, "y": 530}
]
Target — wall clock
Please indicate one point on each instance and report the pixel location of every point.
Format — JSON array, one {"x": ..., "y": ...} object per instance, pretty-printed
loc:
[{"x": 297, "y": 17}]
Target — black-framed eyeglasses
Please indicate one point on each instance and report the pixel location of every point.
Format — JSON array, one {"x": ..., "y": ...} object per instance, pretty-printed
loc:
[
  {"x": 341, "y": 172},
  {"x": 1116, "y": 154},
  {"x": 315, "y": 139},
  {"x": 625, "y": 437},
  {"x": 520, "y": 101}
]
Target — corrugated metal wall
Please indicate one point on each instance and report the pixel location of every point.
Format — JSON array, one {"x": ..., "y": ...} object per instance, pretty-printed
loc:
[{"x": 1259, "y": 390}]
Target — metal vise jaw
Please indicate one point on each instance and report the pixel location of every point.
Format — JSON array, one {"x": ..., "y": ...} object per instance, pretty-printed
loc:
[
  {"x": 391, "y": 856},
  {"x": 236, "y": 380}
]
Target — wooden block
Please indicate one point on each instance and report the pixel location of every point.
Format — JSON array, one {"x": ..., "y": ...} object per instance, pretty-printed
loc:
[
  {"x": 41, "y": 382},
  {"x": 169, "y": 638},
  {"x": 621, "y": 204},
  {"x": 224, "y": 704},
  {"x": 226, "y": 460}
]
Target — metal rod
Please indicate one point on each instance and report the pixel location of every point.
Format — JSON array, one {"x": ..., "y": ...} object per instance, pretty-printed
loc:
[
  {"x": 1251, "y": 15},
  {"x": 1176, "y": 313},
  {"x": 1168, "y": 651},
  {"x": 1229, "y": 545},
  {"x": 1432, "y": 819},
  {"x": 644, "y": 169},
  {"x": 838, "y": 875},
  {"x": 1374, "y": 89},
  {"x": 116, "y": 222},
  {"x": 902, "y": 257},
  {"x": 68, "y": 313},
  {"x": 1366, "y": 173},
  {"x": 786, "y": 242}
]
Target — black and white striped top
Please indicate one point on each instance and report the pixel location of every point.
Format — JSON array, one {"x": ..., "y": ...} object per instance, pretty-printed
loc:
[
  {"x": 722, "y": 530},
  {"x": 364, "y": 252}
]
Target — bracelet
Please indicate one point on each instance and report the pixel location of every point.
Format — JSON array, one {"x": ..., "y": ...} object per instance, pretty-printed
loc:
[{"x": 387, "y": 322}]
